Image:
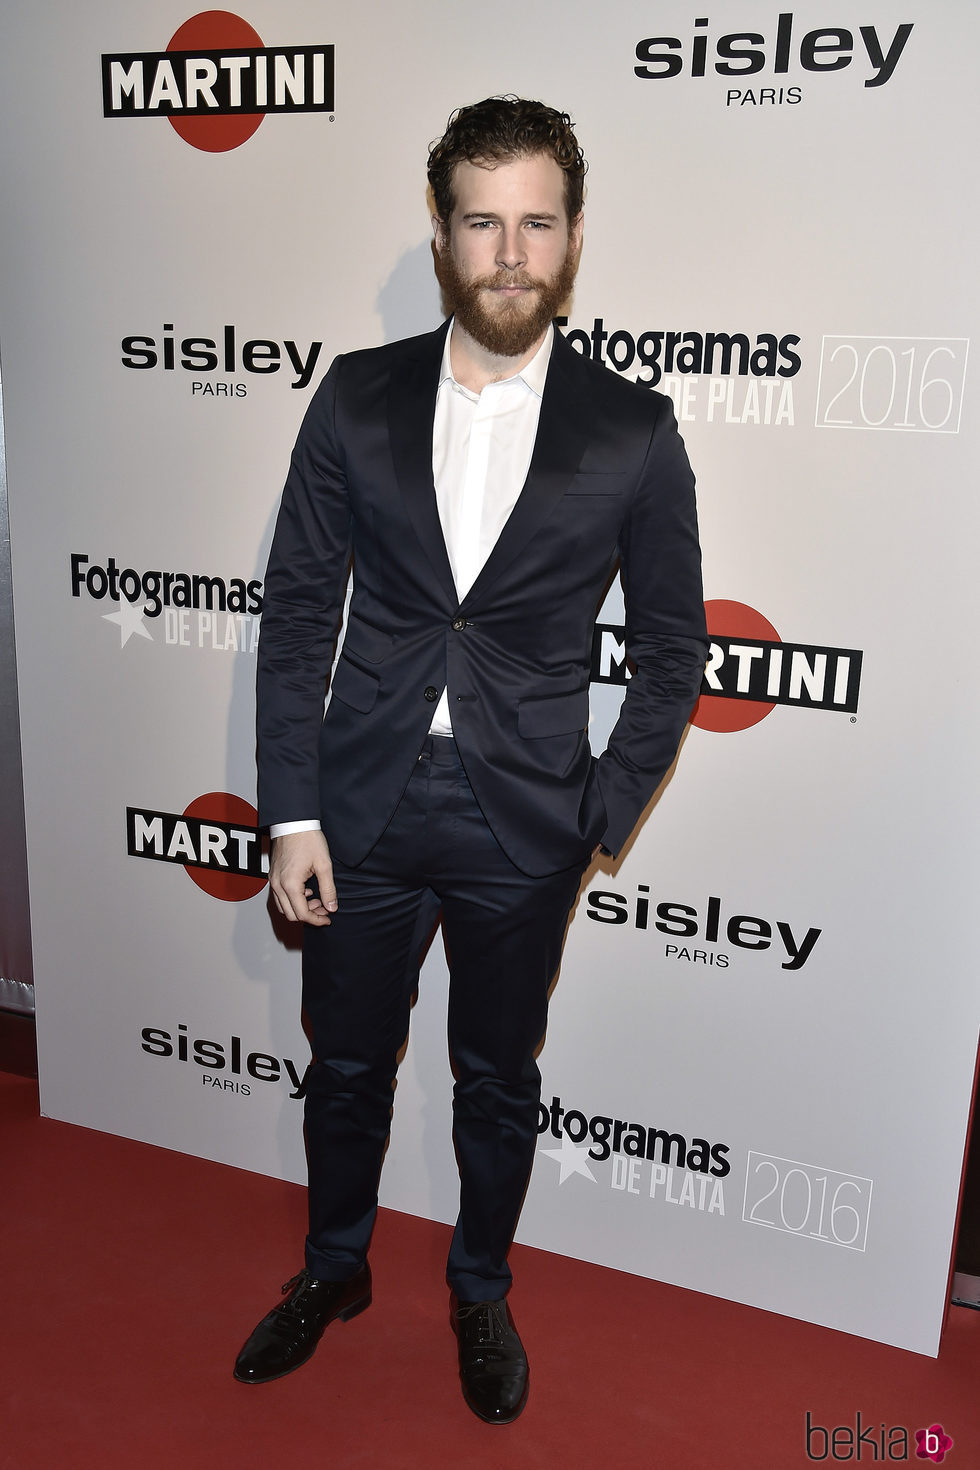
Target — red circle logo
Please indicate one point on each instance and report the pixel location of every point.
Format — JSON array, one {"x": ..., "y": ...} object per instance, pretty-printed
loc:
[
  {"x": 714, "y": 711},
  {"x": 216, "y": 30},
  {"x": 221, "y": 806}
]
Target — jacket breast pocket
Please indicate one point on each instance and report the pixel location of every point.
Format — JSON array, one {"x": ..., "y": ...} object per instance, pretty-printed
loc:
[
  {"x": 598, "y": 482},
  {"x": 354, "y": 686},
  {"x": 561, "y": 714}
]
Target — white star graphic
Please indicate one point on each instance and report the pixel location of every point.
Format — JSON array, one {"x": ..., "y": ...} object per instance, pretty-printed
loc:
[
  {"x": 572, "y": 1158},
  {"x": 130, "y": 620}
]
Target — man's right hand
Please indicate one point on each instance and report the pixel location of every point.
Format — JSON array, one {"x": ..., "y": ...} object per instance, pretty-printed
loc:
[{"x": 296, "y": 858}]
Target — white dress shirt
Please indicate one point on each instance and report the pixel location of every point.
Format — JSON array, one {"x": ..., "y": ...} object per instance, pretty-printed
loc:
[{"x": 481, "y": 449}]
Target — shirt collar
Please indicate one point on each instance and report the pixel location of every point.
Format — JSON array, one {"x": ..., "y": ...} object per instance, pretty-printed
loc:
[{"x": 533, "y": 374}]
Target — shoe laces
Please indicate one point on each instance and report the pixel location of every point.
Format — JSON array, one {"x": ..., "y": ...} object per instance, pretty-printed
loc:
[
  {"x": 489, "y": 1322},
  {"x": 296, "y": 1284}
]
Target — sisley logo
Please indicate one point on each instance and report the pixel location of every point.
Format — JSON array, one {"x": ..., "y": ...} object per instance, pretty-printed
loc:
[
  {"x": 220, "y": 353},
  {"x": 685, "y": 922},
  {"x": 225, "y": 1064},
  {"x": 740, "y": 54}
]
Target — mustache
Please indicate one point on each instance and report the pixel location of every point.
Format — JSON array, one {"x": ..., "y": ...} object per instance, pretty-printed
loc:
[{"x": 509, "y": 278}]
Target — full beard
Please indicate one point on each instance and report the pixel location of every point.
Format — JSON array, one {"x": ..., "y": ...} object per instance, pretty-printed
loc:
[{"x": 505, "y": 326}]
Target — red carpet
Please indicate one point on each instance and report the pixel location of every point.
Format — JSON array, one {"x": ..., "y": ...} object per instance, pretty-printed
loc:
[{"x": 134, "y": 1274}]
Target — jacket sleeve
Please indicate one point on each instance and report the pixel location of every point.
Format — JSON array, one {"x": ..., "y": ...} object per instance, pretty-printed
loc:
[
  {"x": 303, "y": 600},
  {"x": 666, "y": 637}
]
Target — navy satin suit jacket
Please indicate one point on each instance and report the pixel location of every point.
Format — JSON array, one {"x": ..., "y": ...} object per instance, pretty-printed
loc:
[{"x": 609, "y": 479}]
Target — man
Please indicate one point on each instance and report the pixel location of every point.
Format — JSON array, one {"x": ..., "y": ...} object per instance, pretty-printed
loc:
[{"x": 486, "y": 479}]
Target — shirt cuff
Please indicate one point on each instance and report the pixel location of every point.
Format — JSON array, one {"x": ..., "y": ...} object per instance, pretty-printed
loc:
[{"x": 283, "y": 829}]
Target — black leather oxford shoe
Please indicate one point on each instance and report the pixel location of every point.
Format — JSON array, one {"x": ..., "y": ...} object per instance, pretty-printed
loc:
[
  {"x": 288, "y": 1336},
  {"x": 492, "y": 1361}
]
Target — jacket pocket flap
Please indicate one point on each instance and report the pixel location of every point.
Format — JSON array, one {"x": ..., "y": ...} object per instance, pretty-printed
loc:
[
  {"x": 562, "y": 714},
  {"x": 354, "y": 686},
  {"x": 367, "y": 642}
]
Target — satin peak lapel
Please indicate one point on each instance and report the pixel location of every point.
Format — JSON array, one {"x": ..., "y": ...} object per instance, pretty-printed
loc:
[
  {"x": 564, "y": 430},
  {"x": 411, "y": 411}
]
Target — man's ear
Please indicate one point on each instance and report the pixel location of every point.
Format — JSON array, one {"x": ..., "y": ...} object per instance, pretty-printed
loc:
[
  {"x": 440, "y": 233},
  {"x": 575, "y": 231}
]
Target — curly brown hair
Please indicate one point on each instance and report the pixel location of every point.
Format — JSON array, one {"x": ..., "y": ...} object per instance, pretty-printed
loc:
[{"x": 501, "y": 128}]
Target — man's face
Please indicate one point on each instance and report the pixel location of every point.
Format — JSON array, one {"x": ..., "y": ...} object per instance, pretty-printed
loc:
[{"x": 508, "y": 259}]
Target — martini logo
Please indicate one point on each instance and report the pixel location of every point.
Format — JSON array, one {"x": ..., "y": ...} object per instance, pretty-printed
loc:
[
  {"x": 217, "y": 80},
  {"x": 215, "y": 839},
  {"x": 750, "y": 669}
]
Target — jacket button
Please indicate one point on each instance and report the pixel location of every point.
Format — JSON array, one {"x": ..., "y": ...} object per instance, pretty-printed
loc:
[
  {"x": 459, "y": 624},
  {"x": 431, "y": 693}
]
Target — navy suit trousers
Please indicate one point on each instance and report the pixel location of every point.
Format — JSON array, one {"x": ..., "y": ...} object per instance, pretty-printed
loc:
[{"x": 504, "y": 932}]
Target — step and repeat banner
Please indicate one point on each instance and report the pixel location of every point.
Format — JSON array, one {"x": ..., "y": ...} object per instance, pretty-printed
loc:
[{"x": 758, "y": 1072}]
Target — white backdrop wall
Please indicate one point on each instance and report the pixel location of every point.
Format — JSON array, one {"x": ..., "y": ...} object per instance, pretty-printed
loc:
[{"x": 758, "y": 1071}]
